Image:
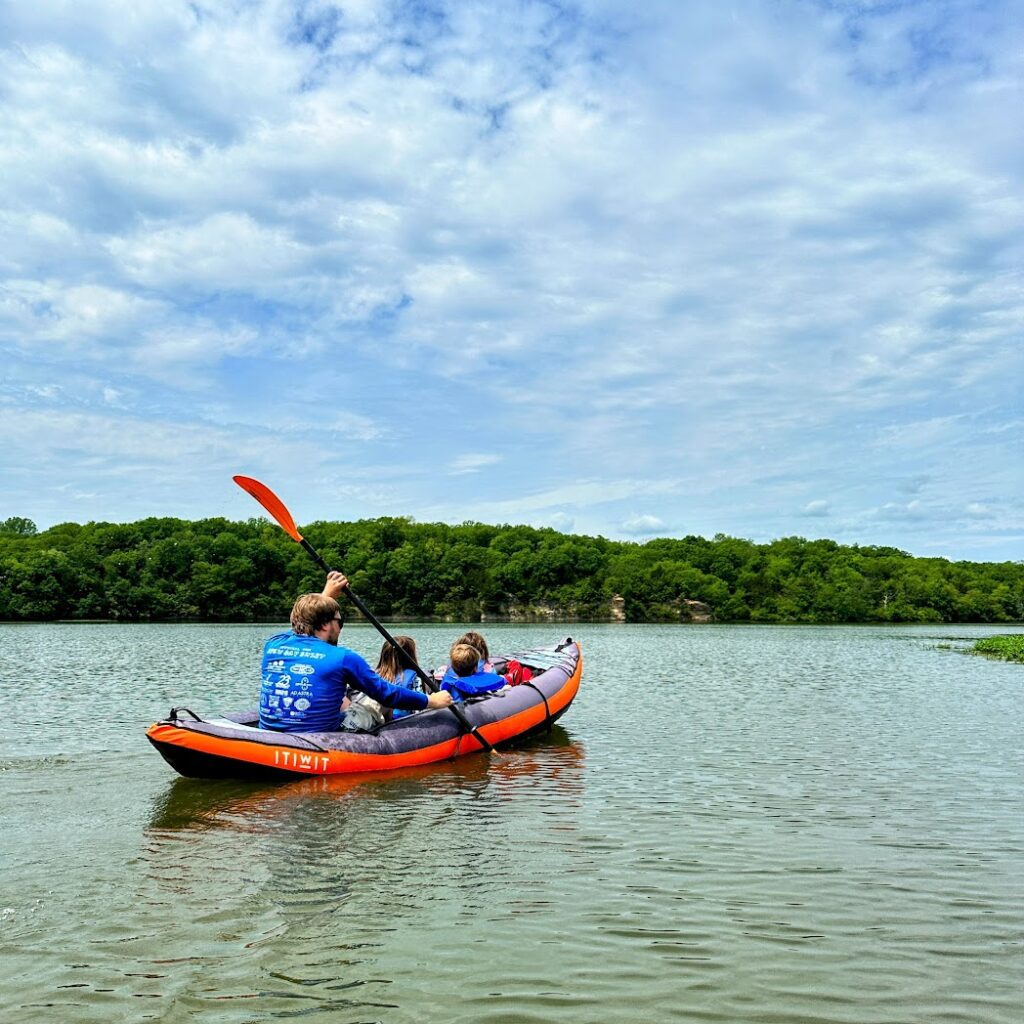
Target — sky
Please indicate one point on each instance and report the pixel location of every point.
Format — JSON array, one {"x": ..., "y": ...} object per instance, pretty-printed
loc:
[{"x": 635, "y": 270}]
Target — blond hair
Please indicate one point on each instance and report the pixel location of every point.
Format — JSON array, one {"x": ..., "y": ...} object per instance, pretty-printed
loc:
[
  {"x": 312, "y": 612},
  {"x": 464, "y": 659}
]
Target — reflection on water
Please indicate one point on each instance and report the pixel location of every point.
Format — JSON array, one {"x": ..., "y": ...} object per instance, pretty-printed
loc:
[
  {"x": 335, "y": 867},
  {"x": 204, "y": 804},
  {"x": 756, "y": 824},
  {"x": 197, "y": 803}
]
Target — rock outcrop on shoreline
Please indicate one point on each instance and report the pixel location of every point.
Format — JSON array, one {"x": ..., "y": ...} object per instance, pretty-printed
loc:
[{"x": 681, "y": 610}]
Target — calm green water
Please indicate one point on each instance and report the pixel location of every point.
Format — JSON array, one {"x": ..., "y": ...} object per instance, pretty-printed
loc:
[{"x": 761, "y": 824}]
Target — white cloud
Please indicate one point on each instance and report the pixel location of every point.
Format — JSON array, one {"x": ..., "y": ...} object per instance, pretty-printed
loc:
[
  {"x": 355, "y": 427},
  {"x": 670, "y": 250},
  {"x": 46, "y": 435},
  {"x": 224, "y": 251},
  {"x": 643, "y": 525},
  {"x": 581, "y": 494},
  {"x": 979, "y": 510},
  {"x": 815, "y": 508},
  {"x": 471, "y": 463},
  {"x": 78, "y": 316},
  {"x": 561, "y": 522},
  {"x": 899, "y": 511}
]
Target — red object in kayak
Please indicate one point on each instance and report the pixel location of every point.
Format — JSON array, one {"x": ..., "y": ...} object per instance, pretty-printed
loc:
[{"x": 233, "y": 746}]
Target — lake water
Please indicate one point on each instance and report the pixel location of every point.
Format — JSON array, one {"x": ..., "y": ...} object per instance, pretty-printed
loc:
[{"x": 763, "y": 824}]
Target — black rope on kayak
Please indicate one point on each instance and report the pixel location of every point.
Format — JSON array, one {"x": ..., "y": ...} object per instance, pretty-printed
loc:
[
  {"x": 464, "y": 729},
  {"x": 173, "y": 716},
  {"x": 548, "y": 720}
]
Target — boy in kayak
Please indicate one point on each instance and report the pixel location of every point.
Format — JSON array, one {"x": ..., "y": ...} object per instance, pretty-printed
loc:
[
  {"x": 306, "y": 674},
  {"x": 465, "y": 676}
]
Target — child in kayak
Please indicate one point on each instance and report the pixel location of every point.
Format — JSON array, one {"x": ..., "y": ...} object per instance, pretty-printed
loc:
[
  {"x": 465, "y": 676},
  {"x": 392, "y": 668}
]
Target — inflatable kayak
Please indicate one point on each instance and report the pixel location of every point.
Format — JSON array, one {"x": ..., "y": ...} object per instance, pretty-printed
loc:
[{"x": 232, "y": 746}]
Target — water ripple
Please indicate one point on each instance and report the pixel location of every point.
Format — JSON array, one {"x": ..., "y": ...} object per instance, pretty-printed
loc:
[{"x": 774, "y": 825}]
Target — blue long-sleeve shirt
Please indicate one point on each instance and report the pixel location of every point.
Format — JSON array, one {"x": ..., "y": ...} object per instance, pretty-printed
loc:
[{"x": 305, "y": 679}]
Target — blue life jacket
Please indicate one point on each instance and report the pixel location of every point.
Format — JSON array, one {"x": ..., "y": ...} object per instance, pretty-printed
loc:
[
  {"x": 461, "y": 687},
  {"x": 407, "y": 677}
]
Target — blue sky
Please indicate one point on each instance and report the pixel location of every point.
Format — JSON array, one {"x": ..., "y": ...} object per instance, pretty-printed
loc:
[{"x": 637, "y": 270}]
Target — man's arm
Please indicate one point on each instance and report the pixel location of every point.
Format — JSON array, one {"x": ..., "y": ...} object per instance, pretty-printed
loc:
[{"x": 361, "y": 677}]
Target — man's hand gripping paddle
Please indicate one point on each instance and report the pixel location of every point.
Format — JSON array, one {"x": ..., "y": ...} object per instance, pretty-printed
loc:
[{"x": 273, "y": 504}]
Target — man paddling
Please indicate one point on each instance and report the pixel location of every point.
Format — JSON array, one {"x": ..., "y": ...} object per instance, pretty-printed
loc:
[{"x": 306, "y": 674}]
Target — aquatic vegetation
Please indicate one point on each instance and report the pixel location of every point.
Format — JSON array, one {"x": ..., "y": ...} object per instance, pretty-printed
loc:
[{"x": 1009, "y": 648}]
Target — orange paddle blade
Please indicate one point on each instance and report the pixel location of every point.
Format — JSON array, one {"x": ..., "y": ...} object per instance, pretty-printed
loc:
[{"x": 272, "y": 503}]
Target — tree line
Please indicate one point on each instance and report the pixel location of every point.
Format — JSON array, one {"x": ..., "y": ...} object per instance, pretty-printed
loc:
[{"x": 223, "y": 571}]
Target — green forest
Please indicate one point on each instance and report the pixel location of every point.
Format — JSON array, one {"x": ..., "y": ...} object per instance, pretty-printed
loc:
[{"x": 224, "y": 571}]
